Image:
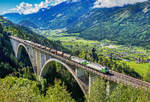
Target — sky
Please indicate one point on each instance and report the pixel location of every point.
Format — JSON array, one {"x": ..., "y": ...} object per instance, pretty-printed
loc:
[
  {"x": 26, "y": 6},
  {"x": 33, "y": 6},
  {"x": 9, "y": 4}
]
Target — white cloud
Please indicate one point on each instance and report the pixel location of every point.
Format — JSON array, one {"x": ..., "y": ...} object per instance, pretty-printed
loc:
[
  {"x": 75, "y": 0},
  {"x": 26, "y": 8},
  {"x": 114, "y": 3}
]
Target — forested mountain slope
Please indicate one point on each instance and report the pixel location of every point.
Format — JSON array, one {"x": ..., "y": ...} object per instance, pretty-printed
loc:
[
  {"x": 126, "y": 25},
  {"x": 28, "y": 34}
]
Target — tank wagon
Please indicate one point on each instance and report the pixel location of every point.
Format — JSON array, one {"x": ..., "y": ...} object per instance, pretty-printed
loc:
[
  {"x": 53, "y": 51},
  {"x": 59, "y": 53}
]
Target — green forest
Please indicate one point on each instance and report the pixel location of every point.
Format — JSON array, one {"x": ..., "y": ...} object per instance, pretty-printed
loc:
[{"x": 18, "y": 83}]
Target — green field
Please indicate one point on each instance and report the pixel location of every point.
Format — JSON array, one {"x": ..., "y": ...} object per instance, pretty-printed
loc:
[{"x": 142, "y": 69}]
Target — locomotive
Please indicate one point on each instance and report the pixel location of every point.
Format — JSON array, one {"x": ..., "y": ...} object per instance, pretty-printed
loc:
[
  {"x": 90, "y": 64},
  {"x": 82, "y": 61}
]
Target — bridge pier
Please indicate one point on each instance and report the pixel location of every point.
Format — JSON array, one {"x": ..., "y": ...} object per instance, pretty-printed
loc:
[
  {"x": 79, "y": 72},
  {"x": 92, "y": 78},
  {"x": 14, "y": 46},
  {"x": 107, "y": 88},
  {"x": 38, "y": 61}
]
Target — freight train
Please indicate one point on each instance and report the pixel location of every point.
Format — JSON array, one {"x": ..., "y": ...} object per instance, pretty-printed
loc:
[
  {"x": 72, "y": 58},
  {"x": 81, "y": 61}
]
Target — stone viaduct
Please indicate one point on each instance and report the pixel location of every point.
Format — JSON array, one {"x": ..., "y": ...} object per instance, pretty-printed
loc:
[{"x": 40, "y": 56}]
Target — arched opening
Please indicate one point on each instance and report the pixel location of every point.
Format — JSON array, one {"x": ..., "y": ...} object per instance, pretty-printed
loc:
[
  {"x": 23, "y": 56},
  {"x": 26, "y": 69},
  {"x": 55, "y": 69}
]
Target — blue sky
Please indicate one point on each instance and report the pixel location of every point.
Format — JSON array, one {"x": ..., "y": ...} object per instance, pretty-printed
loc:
[
  {"x": 26, "y": 6},
  {"x": 33, "y": 6},
  {"x": 9, "y": 4}
]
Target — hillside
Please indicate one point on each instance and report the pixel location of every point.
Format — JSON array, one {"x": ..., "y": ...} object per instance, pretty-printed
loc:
[
  {"x": 128, "y": 25},
  {"x": 28, "y": 24},
  {"x": 28, "y": 34}
]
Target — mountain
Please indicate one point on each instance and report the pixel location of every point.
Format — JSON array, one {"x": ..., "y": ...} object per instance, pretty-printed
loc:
[
  {"x": 93, "y": 17},
  {"x": 28, "y": 24},
  {"x": 126, "y": 25},
  {"x": 55, "y": 17},
  {"x": 14, "y": 17}
]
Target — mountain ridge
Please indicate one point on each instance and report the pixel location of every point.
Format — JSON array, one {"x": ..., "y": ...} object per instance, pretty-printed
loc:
[{"x": 55, "y": 17}]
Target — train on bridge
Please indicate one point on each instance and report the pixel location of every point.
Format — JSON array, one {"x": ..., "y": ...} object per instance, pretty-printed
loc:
[{"x": 72, "y": 58}]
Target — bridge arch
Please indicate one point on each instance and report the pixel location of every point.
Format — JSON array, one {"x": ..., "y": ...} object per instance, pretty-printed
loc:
[
  {"x": 67, "y": 67},
  {"x": 18, "y": 53}
]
